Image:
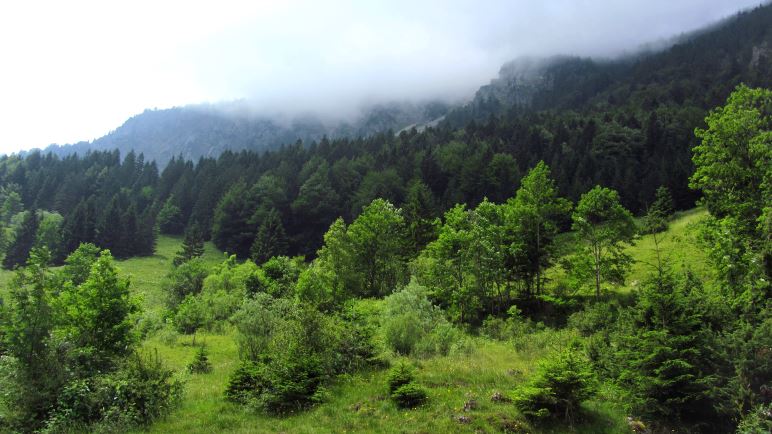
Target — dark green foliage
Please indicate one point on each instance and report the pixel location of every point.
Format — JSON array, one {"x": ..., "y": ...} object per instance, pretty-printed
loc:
[
  {"x": 558, "y": 387},
  {"x": 68, "y": 344},
  {"x": 663, "y": 203},
  {"x": 200, "y": 364},
  {"x": 192, "y": 245},
  {"x": 410, "y": 395},
  {"x": 420, "y": 211},
  {"x": 141, "y": 390},
  {"x": 670, "y": 361},
  {"x": 170, "y": 218},
  {"x": 23, "y": 241},
  {"x": 270, "y": 240},
  {"x": 402, "y": 387},
  {"x": 232, "y": 228},
  {"x": 399, "y": 375}
]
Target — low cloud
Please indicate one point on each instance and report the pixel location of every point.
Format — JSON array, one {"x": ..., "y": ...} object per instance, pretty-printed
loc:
[{"x": 76, "y": 70}]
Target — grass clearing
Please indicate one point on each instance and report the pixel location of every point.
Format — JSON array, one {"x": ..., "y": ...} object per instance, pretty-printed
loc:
[{"x": 359, "y": 402}]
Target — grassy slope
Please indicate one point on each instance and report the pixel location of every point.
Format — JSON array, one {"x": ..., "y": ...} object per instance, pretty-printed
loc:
[
  {"x": 357, "y": 403},
  {"x": 678, "y": 246}
]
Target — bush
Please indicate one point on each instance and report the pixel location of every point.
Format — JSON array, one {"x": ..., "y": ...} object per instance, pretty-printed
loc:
[
  {"x": 409, "y": 395},
  {"x": 399, "y": 376},
  {"x": 184, "y": 280},
  {"x": 277, "y": 386},
  {"x": 200, "y": 364},
  {"x": 290, "y": 350},
  {"x": 411, "y": 324},
  {"x": 758, "y": 421},
  {"x": 594, "y": 318},
  {"x": 558, "y": 387},
  {"x": 136, "y": 394}
]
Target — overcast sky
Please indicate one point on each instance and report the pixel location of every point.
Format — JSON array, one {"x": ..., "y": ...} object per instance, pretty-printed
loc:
[{"x": 73, "y": 70}]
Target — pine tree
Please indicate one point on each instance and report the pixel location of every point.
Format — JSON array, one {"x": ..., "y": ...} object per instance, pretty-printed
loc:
[
  {"x": 109, "y": 227},
  {"x": 420, "y": 211},
  {"x": 192, "y": 245},
  {"x": 663, "y": 203},
  {"x": 130, "y": 240},
  {"x": 271, "y": 240},
  {"x": 26, "y": 234}
]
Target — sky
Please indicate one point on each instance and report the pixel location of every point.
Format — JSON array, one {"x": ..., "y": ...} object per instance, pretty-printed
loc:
[{"x": 74, "y": 70}]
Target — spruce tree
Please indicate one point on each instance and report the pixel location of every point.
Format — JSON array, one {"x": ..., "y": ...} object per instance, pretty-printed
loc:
[
  {"x": 192, "y": 245},
  {"x": 271, "y": 240},
  {"x": 18, "y": 251},
  {"x": 130, "y": 240},
  {"x": 663, "y": 203},
  {"x": 109, "y": 227}
]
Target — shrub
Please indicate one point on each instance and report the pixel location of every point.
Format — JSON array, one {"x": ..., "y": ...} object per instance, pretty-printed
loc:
[
  {"x": 137, "y": 393},
  {"x": 289, "y": 351},
  {"x": 399, "y": 376},
  {"x": 200, "y": 364},
  {"x": 558, "y": 387},
  {"x": 191, "y": 315},
  {"x": 595, "y": 317},
  {"x": 184, "y": 280},
  {"x": 411, "y": 324},
  {"x": 758, "y": 421},
  {"x": 277, "y": 386},
  {"x": 409, "y": 395}
]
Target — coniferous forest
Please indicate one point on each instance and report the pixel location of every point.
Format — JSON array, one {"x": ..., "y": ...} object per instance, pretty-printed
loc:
[{"x": 594, "y": 256}]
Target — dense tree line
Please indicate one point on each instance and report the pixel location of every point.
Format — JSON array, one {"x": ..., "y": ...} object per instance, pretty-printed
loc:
[{"x": 60, "y": 203}]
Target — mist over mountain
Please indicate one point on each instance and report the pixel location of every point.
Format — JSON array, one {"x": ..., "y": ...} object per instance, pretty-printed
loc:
[
  {"x": 733, "y": 48},
  {"x": 207, "y": 130}
]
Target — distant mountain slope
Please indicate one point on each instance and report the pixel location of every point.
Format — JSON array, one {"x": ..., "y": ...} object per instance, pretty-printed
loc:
[
  {"x": 699, "y": 69},
  {"x": 698, "y": 72},
  {"x": 207, "y": 130}
]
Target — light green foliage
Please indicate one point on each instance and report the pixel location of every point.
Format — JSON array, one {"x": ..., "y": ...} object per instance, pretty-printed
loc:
[
  {"x": 466, "y": 267},
  {"x": 757, "y": 421},
  {"x": 378, "y": 245},
  {"x": 278, "y": 276},
  {"x": 558, "y": 387},
  {"x": 221, "y": 295},
  {"x": 605, "y": 227},
  {"x": 68, "y": 338},
  {"x": 532, "y": 222},
  {"x": 98, "y": 314},
  {"x": 49, "y": 234},
  {"x": 184, "y": 280},
  {"x": 734, "y": 172},
  {"x": 289, "y": 351},
  {"x": 366, "y": 259},
  {"x": 77, "y": 266},
  {"x": 410, "y": 324},
  {"x": 169, "y": 218},
  {"x": 443, "y": 266}
]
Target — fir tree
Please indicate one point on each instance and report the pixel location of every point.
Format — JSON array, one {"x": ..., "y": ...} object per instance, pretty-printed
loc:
[
  {"x": 26, "y": 234},
  {"x": 192, "y": 245},
  {"x": 271, "y": 240}
]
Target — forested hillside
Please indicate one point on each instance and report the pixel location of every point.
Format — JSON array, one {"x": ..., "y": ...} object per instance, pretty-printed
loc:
[
  {"x": 629, "y": 126},
  {"x": 532, "y": 264},
  {"x": 207, "y": 131}
]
